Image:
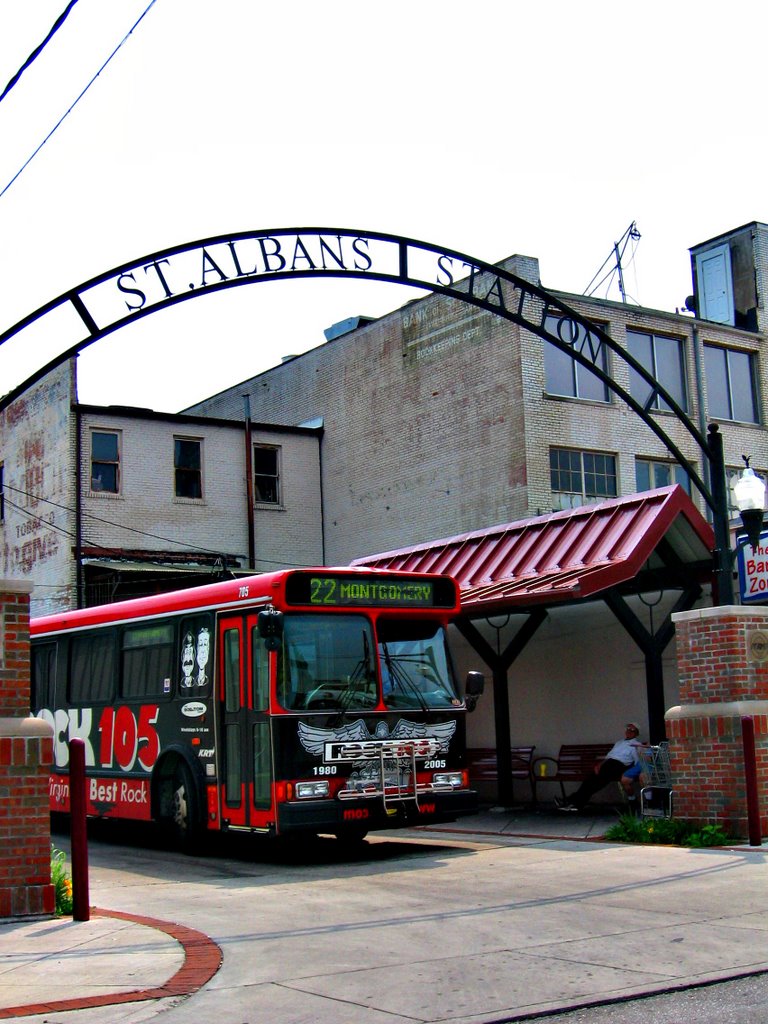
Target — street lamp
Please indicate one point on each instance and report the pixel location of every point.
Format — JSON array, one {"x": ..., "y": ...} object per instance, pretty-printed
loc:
[{"x": 749, "y": 491}]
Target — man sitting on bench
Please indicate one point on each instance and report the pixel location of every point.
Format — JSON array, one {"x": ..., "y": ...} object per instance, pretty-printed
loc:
[{"x": 621, "y": 756}]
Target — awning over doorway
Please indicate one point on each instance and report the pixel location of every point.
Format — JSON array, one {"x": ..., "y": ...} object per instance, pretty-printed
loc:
[{"x": 569, "y": 555}]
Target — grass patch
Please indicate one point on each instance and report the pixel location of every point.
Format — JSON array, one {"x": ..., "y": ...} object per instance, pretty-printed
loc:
[{"x": 666, "y": 831}]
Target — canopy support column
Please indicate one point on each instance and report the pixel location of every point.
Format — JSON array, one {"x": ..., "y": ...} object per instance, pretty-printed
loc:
[{"x": 499, "y": 664}]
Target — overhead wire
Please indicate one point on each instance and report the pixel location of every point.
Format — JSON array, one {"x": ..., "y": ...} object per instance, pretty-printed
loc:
[
  {"x": 109, "y": 522},
  {"x": 38, "y": 49},
  {"x": 66, "y": 114}
]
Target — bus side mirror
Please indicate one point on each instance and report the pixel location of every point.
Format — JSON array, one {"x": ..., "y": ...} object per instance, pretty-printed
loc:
[
  {"x": 473, "y": 688},
  {"x": 270, "y": 622}
]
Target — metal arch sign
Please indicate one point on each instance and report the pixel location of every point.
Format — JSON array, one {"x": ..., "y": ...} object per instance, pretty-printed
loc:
[{"x": 129, "y": 292}]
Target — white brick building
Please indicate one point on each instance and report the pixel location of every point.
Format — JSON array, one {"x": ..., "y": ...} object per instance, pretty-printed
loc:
[{"x": 104, "y": 503}]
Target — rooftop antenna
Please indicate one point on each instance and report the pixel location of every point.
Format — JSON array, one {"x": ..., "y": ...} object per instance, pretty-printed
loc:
[{"x": 615, "y": 259}]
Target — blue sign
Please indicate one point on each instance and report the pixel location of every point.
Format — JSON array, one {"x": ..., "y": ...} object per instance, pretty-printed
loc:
[{"x": 753, "y": 569}]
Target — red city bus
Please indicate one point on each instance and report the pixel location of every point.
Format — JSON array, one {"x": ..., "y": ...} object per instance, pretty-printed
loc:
[{"x": 295, "y": 702}]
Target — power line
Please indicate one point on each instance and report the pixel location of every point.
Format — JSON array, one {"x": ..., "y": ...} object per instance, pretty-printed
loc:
[
  {"x": 95, "y": 518},
  {"x": 36, "y": 52},
  {"x": 120, "y": 526},
  {"x": 29, "y": 159}
]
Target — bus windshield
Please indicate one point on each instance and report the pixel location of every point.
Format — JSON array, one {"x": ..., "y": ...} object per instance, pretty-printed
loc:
[
  {"x": 326, "y": 662},
  {"x": 415, "y": 668}
]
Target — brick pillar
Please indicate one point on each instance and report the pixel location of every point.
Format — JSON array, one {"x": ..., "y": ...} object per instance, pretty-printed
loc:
[
  {"x": 722, "y": 659},
  {"x": 26, "y": 755}
]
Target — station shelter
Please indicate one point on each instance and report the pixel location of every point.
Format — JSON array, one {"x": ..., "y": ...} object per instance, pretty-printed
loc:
[{"x": 572, "y": 614}]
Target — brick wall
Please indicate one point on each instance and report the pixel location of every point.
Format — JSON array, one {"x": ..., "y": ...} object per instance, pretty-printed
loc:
[
  {"x": 723, "y": 674},
  {"x": 26, "y": 755}
]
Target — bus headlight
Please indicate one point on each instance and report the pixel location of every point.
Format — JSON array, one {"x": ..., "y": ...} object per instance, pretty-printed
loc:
[
  {"x": 447, "y": 779},
  {"x": 305, "y": 790}
]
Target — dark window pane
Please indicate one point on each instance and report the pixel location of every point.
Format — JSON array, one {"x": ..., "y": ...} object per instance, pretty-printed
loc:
[
  {"x": 104, "y": 477},
  {"x": 265, "y": 460},
  {"x": 682, "y": 478},
  {"x": 103, "y": 447},
  {"x": 92, "y": 669},
  {"x": 742, "y": 388},
  {"x": 643, "y": 476},
  {"x": 639, "y": 346},
  {"x": 590, "y": 386},
  {"x": 717, "y": 382},
  {"x": 187, "y": 454},
  {"x": 43, "y": 692},
  {"x": 669, "y": 369},
  {"x": 559, "y": 370},
  {"x": 147, "y": 661}
]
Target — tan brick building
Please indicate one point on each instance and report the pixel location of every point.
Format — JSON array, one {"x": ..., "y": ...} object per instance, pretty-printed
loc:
[{"x": 440, "y": 418}]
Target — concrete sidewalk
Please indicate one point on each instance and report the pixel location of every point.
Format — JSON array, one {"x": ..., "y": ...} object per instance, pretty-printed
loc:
[{"x": 493, "y": 918}]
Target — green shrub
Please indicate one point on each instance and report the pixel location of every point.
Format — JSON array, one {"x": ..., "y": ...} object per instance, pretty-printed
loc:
[
  {"x": 666, "y": 831},
  {"x": 62, "y": 883}
]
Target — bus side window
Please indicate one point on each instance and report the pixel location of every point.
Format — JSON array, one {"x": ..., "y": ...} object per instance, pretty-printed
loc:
[
  {"x": 147, "y": 661},
  {"x": 92, "y": 669},
  {"x": 43, "y": 677},
  {"x": 232, "y": 670},
  {"x": 260, "y": 670}
]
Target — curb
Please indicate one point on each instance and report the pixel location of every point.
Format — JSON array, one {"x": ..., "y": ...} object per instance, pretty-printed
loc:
[{"x": 202, "y": 959}]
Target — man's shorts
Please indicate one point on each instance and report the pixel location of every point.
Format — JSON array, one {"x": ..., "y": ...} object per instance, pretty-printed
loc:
[{"x": 633, "y": 770}]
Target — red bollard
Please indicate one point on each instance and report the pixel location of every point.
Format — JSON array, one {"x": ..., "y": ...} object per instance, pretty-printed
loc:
[
  {"x": 750, "y": 778},
  {"x": 81, "y": 910}
]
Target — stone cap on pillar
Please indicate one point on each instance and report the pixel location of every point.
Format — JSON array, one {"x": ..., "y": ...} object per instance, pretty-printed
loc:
[
  {"x": 16, "y": 587},
  {"x": 25, "y": 728}
]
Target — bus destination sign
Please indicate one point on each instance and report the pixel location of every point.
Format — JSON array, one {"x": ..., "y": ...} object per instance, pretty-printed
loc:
[{"x": 322, "y": 590}]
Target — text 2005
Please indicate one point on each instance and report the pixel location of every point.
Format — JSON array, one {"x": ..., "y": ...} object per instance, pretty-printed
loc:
[{"x": 434, "y": 764}]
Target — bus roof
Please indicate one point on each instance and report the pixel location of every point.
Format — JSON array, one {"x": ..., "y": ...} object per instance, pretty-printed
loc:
[{"x": 243, "y": 591}]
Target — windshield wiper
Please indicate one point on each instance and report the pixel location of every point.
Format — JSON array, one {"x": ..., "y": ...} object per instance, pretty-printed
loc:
[{"x": 399, "y": 677}]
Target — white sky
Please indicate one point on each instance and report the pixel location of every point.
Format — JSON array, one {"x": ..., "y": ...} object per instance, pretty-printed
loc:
[{"x": 495, "y": 127}]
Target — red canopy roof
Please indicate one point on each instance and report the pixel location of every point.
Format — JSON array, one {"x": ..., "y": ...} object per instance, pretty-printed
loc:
[{"x": 563, "y": 556}]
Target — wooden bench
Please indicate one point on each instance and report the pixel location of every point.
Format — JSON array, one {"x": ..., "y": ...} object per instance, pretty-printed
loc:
[
  {"x": 482, "y": 767},
  {"x": 574, "y": 762}
]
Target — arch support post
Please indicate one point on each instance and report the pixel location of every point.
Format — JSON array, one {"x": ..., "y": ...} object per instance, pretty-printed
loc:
[{"x": 723, "y": 560}]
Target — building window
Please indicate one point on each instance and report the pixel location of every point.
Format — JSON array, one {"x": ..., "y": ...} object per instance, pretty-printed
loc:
[
  {"x": 188, "y": 467},
  {"x": 650, "y": 474},
  {"x": 266, "y": 474},
  {"x": 105, "y": 461},
  {"x": 664, "y": 359},
  {"x": 567, "y": 377},
  {"x": 580, "y": 478},
  {"x": 731, "y": 390}
]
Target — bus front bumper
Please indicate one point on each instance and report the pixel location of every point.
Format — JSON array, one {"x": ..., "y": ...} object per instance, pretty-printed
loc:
[{"x": 370, "y": 814}]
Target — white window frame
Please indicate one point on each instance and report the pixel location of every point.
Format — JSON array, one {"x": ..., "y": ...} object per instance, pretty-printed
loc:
[
  {"x": 278, "y": 477},
  {"x": 99, "y": 491},
  {"x": 185, "y": 497}
]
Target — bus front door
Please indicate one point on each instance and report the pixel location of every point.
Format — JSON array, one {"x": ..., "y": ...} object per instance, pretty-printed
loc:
[{"x": 246, "y": 768}]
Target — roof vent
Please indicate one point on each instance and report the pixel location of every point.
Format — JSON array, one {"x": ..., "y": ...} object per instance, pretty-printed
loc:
[{"x": 347, "y": 326}]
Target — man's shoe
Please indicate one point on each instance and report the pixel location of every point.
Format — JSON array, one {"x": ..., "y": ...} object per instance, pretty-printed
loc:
[{"x": 567, "y": 807}]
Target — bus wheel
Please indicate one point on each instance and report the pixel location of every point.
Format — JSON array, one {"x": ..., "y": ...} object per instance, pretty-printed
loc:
[
  {"x": 183, "y": 821},
  {"x": 352, "y": 834}
]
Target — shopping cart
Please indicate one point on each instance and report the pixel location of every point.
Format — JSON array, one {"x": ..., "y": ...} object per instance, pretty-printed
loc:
[{"x": 656, "y": 793}]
